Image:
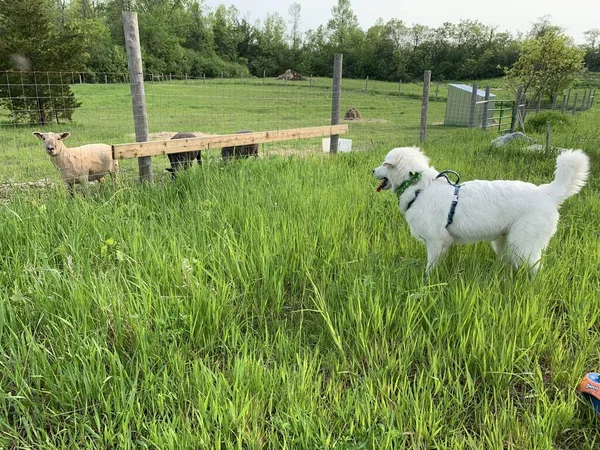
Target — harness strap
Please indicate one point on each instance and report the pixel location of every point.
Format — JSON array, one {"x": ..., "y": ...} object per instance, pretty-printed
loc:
[
  {"x": 453, "y": 206},
  {"x": 455, "y": 197},
  {"x": 417, "y": 192}
]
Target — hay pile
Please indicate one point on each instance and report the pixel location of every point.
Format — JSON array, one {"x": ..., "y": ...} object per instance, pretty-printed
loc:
[{"x": 290, "y": 75}]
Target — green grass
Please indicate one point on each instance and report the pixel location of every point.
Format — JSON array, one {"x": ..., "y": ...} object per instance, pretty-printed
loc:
[{"x": 279, "y": 303}]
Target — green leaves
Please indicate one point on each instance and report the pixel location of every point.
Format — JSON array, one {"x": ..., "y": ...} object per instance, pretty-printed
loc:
[{"x": 548, "y": 64}]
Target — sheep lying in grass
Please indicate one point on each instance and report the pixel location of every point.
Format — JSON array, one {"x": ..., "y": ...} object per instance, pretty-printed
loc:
[{"x": 89, "y": 162}]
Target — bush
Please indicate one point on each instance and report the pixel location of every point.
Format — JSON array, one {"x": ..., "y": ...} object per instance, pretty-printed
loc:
[{"x": 558, "y": 121}]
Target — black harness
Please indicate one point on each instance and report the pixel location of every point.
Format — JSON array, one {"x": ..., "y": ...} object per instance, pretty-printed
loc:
[
  {"x": 454, "y": 199},
  {"x": 417, "y": 192}
]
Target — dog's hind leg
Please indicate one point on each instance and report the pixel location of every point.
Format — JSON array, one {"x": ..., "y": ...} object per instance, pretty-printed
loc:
[
  {"x": 498, "y": 245},
  {"x": 529, "y": 237}
]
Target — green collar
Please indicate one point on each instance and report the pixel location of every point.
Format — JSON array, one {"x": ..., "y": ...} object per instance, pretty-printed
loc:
[{"x": 414, "y": 179}]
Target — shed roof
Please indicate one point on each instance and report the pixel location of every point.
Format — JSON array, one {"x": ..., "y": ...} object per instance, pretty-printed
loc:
[{"x": 467, "y": 88}]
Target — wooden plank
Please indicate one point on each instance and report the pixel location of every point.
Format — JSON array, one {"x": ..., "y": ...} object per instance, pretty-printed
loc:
[{"x": 153, "y": 148}]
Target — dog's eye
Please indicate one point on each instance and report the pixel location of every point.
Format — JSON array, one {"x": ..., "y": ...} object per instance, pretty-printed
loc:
[{"x": 387, "y": 164}]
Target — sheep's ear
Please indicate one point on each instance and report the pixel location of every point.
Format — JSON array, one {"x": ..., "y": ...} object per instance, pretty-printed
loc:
[
  {"x": 38, "y": 134},
  {"x": 64, "y": 135}
]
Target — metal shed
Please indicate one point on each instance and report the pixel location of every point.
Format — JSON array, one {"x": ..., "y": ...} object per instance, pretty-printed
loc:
[{"x": 458, "y": 106}]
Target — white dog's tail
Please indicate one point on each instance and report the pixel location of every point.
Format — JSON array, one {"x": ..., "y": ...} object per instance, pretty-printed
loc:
[{"x": 572, "y": 167}]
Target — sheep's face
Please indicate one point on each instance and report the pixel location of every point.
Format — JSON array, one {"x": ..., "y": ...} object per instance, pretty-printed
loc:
[{"x": 51, "y": 141}]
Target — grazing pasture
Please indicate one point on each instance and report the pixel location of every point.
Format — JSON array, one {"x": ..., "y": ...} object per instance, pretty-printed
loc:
[{"x": 278, "y": 302}]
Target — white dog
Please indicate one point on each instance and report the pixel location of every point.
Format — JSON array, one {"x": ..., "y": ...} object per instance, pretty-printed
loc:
[{"x": 518, "y": 218}]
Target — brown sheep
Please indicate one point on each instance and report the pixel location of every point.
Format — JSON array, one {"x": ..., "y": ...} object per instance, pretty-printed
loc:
[{"x": 91, "y": 162}]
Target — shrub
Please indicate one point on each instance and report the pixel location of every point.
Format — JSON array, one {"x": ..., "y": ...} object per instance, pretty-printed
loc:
[{"x": 558, "y": 121}]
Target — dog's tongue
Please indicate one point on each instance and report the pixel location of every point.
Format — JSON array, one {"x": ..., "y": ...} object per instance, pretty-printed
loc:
[{"x": 382, "y": 185}]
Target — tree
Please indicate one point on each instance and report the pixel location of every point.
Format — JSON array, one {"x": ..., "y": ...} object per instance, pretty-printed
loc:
[
  {"x": 542, "y": 26},
  {"x": 31, "y": 35},
  {"x": 591, "y": 37},
  {"x": 548, "y": 64},
  {"x": 294, "y": 12},
  {"x": 224, "y": 28},
  {"x": 592, "y": 49},
  {"x": 342, "y": 24}
]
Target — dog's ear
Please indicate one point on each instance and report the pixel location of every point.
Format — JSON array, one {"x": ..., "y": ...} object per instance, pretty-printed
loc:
[{"x": 391, "y": 159}]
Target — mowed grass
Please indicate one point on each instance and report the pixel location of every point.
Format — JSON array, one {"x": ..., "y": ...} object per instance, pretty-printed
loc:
[{"x": 279, "y": 303}]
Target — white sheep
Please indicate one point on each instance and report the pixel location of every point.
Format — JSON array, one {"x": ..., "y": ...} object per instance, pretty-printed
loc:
[{"x": 89, "y": 162}]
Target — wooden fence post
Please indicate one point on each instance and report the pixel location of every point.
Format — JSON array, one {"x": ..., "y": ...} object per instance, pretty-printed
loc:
[
  {"x": 336, "y": 96},
  {"x": 485, "y": 108},
  {"x": 473, "y": 105},
  {"x": 136, "y": 84},
  {"x": 425, "y": 105},
  {"x": 514, "y": 121}
]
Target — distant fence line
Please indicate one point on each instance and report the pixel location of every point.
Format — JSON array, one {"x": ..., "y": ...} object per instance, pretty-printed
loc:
[
  {"x": 483, "y": 111},
  {"x": 584, "y": 103}
]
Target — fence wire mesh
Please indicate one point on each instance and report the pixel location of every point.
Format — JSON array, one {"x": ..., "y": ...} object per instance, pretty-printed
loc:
[{"x": 97, "y": 108}]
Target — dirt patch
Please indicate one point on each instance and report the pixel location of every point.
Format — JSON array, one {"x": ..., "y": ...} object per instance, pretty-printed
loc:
[
  {"x": 9, "y": 186},
  {"x": 369, "y": 120},
  {"x": 167, "y": 135}
]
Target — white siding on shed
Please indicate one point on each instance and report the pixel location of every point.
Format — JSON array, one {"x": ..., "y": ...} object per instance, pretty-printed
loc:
[{"x": 458, "y": 106}]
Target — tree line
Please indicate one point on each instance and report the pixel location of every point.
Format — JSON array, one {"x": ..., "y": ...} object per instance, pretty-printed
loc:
[{"x": 185, "y": 37}]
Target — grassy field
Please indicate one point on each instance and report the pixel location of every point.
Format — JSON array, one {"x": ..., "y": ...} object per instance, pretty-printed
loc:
[{"x": 279, "y": 302}]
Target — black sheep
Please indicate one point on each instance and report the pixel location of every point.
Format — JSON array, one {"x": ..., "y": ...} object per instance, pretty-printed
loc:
[
  {"x": 240, "y": 151},
  {"x": 183, "y": 160}
]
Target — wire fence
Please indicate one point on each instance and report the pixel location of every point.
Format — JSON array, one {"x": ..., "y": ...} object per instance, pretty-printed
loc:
[{"x": 97, "y": 108}]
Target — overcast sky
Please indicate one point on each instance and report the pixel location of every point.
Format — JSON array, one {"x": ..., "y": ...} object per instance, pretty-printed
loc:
[{"x": 576, "y": 16}]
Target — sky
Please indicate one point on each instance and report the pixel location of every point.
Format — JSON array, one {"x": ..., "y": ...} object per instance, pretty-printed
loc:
[{"x": 576, "y": 16}]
